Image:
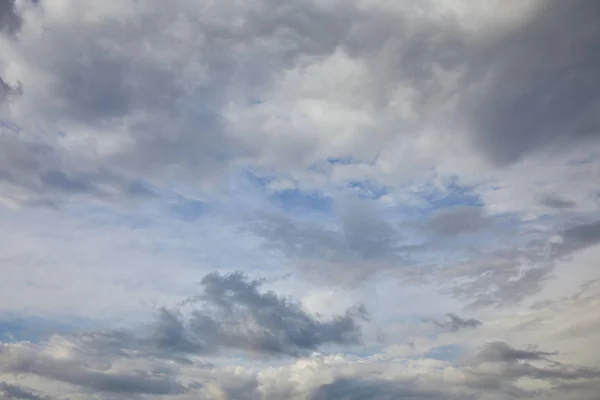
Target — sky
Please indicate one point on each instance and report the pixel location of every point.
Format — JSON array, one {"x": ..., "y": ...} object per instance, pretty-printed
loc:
[{"x": 302, "y": 199}]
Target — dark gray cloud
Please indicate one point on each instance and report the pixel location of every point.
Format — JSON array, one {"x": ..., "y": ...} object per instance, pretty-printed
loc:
[
  {"x": 556, "y": 201},
  {"x": 454, "y": 323},
  {"x": 15, "y": 392},
  {"x": 10, "y": 21},
  {"x": 78, "y": 372},
  {"x": 579, "y": 237},
  {"x": 377, "y": 389},
  {"x": 502, "y": 352},
  {"x": 542, "y": 85},
  {"x": 457, "y": 220},
  {"x": 232, "y": 314},
  {"x": 50, "y": 176},
  {"x": 516, "y": 364}
]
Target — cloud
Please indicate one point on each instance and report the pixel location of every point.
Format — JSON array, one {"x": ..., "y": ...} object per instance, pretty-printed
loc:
[
  {"x": 502, "y": 352},
  {"x": 335, "y": 376},
  {"x": 232, "y": 314},
  {"x": 541, "y": 89},
  {"x": 27, "y": 359},
  {"x": 10, "y": 21},
  {"x": 354, "y": 389},
  {"x": 580, "y": 236},
  {"x": 556, "y": 201},
  {"x": 508, "y": 275},
  {"x": 235, "y": 314},
  {"x": 455, "y": 146},
  {"x": 14, "y": 392},
  {"x": 456, "y": 323},
  {"x": 8, "y": 92},
  {"x": 457, "y": 220},
  {"x": 357, "y": 243}
]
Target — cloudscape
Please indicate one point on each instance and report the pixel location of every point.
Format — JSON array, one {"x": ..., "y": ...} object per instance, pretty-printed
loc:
[{"x": 302, "y": 199}]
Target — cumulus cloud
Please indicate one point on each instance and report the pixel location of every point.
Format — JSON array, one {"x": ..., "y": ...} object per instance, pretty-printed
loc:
[
  {"x": 233, "y": 314},
  {"x": 456, "y": 147},
  {"x": 205, "y": 95}
]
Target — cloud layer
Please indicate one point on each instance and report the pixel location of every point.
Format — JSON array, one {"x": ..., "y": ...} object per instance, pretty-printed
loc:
[{"x": 312, "y": 199}]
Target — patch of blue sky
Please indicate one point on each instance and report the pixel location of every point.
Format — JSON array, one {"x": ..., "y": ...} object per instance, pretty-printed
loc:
[
  {"x": 324, "y": 166},
  {"x": 297, "y": 200},
  {"x": 368, "y": 189},
  {"x": 186, "y": 209},
  {"x": 292, "y": 199},
  {"x": 431, "y": 199},
  {"x": 14, "y": 328},
  {"x": 348, "y": 160},
  {"x": 451, "y": 353},
  {"x": 453, "y": 195}
]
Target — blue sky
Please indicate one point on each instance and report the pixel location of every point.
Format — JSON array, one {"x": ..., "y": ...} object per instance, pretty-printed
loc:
[{"x": 319, "y": 199}]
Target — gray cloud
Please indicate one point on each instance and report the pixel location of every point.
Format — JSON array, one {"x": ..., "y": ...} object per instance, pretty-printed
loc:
[
  {"x": 232, "y": 314},
  {"x": 542, "y": 85},
  {"x": 494, "y": 373},
  {"x": 457, "y": 220},
  {"x": 166, "y": 94},
  {"x": 502, "y": 352},
  {"x": 556, "y": 201},
  {"x": 8, "y": 92},
  {"x": 579, "y": 237},
  {"x": 377, "y": 389},
  {"x": 509, "y": 275},
  {"x": 167, "y": 98},
  {"x": 517, "y": 364},
  {"x": 456, "y": 323},
  {"x": 358, "y": 244},
  {"x": 50, "y": 176},
  {"x": 15, "y": 392},
  {"x": 78, "y": 372},
  {"x": 10, "y": 21}
]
